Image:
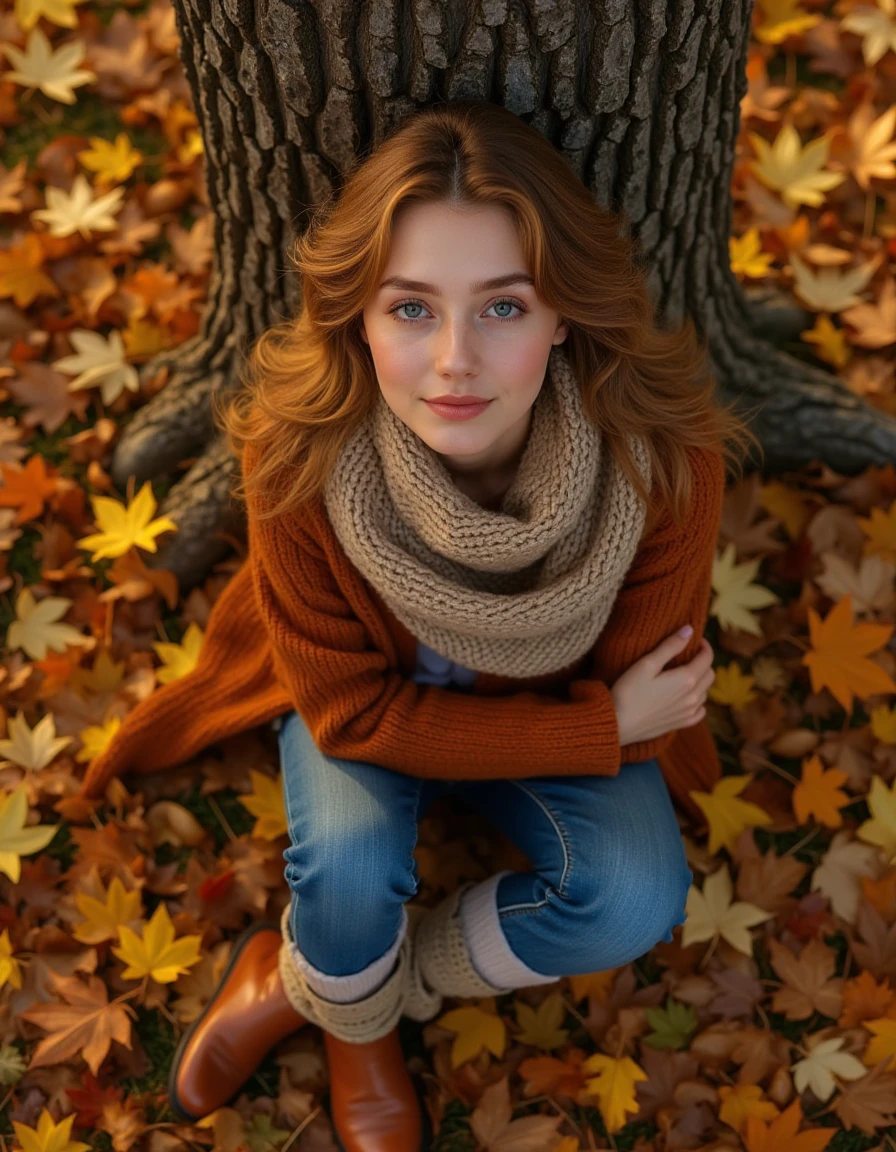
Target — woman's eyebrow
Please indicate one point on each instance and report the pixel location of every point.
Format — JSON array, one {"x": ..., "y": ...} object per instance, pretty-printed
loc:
[{"x": 478, "y": 286}]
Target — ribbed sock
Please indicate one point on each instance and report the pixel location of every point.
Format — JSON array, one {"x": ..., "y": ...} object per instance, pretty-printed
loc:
[
  {"x": 492, "y": 956},
  {"x": 355, "y": 985}
]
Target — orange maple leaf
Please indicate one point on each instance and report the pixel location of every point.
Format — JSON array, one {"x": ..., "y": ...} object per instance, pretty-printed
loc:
[
  {"x": 27, "y": 488},
  {"x": 837, "y": 659},
  {"x": 782, "y": 1133},
  {"x": 818, "y": 794}
]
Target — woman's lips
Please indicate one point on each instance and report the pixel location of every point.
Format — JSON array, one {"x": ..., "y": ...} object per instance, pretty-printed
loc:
[{"x": 458, "y": 411}]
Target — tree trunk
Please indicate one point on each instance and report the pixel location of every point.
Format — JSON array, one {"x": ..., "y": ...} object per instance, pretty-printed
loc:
[{"x": 642, "y": 97}]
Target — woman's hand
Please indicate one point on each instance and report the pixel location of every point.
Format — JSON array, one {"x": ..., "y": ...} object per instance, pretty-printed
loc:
[{"x": 650, "y": 702}]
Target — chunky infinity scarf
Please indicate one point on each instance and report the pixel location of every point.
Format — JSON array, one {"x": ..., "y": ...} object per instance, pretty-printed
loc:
[{"x": 518, "y": 592}]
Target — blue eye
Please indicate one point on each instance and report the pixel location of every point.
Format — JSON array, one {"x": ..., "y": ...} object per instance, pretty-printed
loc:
[{"x": 419, "y": 304}]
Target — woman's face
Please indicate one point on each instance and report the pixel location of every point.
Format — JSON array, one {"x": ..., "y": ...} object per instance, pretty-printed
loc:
[{"x": 454, "y": 337}]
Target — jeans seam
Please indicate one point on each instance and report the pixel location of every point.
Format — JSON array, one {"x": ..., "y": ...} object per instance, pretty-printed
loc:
[{"x": 563, "y": 837}]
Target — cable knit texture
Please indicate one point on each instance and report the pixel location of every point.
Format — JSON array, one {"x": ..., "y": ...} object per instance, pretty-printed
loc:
[
  {"x": 299, "y": 627},
  {"x": 521, "y": 591},
  {"x": 356, "y": 1022}
]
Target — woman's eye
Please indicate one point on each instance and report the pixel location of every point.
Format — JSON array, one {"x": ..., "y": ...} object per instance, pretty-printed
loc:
[{"x": 395, "y": 309}]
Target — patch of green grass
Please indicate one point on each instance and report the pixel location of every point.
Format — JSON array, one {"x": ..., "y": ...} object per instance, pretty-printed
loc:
[
  {"x": 454, "y": 1133},
  {"x": 62, "y": 847},
  {"x": 237, "y": 816},
  {"x": 159, "y": 1042}
]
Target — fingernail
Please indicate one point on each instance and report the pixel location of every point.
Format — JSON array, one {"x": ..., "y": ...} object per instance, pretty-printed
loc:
[{"x": 686, "y": 631}]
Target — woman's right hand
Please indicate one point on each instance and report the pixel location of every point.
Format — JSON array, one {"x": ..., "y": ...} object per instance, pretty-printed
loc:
[{"x": 650, "y": 702}]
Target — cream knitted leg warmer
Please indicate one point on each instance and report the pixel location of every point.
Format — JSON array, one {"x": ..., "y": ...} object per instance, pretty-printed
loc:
[
  {"x": 440, "y": 959},
  {"x": 358, "y": 1021}
]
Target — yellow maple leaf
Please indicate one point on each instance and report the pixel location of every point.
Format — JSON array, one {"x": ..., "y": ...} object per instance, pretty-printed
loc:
[
  {"x": 883, "y": 1043},
  {"x": 742, "y": 1100},
  {"x": 837, "y": 659},
  {"x": 881, "y": 828},
  {"x": 78, "y": 211},
  {"x": 787, "y": 505},
  {"x": 726, "y": 815},
  {"x": 474, "y": 1030},
  {"x": 61, "y": 12},
  {"x": 793, "y": 170},
  {"x": 21, "y": 272},
  {"x": 880, "y": 528},
  {"x": 156, "y": 953},
  {"x": 124, "y": 528},
  {"x": 33, "y": 748},
  {"x": 15, "y": 838},
  {"x": 542, "y": 1026},
  {"x": 54, "y": 73},
  {"x": 10, "y": 968},
  {"x": 830, "y": 342},
  {"x": 99, "y": 360},
  {"x": 818, "y": 794},
  {"x": 746, "y": 256},
  {"x": 34, "y": 630},
  {"x": 735, "y": 593},
  {"x": 711, "y": 913},
  {"x": 47, "y": 1136},
  {"x": 104, "y": 917},
  {"x": 874, "y": 25},
  {"x": 731, "y": 686},
  {"x": 593, "y": 984},
  {"x": 614, "y": 1087},
  {"x": 266, "y": 802},
  {"x": 113, "y": 163},
  {"x": 95, "y": 739},
  {"x": 179, "y": 659},
  {"x": 883, "y": 723},
  {"x": 783, "y": 18}
]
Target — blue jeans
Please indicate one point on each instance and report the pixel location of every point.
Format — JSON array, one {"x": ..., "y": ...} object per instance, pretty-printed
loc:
[{"x": 610, "y": 877}]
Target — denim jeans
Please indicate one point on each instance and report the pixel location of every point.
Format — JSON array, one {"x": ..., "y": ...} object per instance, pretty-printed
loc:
[{"x": 610, "y": 877}]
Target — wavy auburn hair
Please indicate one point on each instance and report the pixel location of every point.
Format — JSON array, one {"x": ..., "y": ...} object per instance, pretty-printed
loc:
[{"x": 309, "y": 381}]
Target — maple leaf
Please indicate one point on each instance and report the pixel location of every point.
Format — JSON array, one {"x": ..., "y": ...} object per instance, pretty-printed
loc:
[
  {"x": 782, "y": 1133},
  {"x": 96, "y": 738},
  {"x": 830, "y": 290},
  {"x": 105, "y": 916},
  {"x": 85, "y": 1025},
  {"x": 495, "y": 1131},
  {"x": 61, "y": 12},
  {"x": 16, "y": 839},
  {"x": 112, "y": 162},
  {"x": 10, "y": 968},
  {"x": 876, "y": 322},
  {"x": 830, "y": 342},
  {"x": 881, "y": 828},
  {"x": 542, "y": 1027},
  {"x": 838, "y": 650},
  {"x": 27, "y": 487},
  {"x": 33, "y": 629},
  {"x": 99, "y": 360},
  {"x": 818, "y": 794},
  {"x": 880, "y": 528},
  {"x": 725, "y": 814},
  {"x": 474, "y": 1030},
  {"x": 78, "y": 211},
  {"x": 156, "y": 953},
  {"x": 124, "y": 528},
  {"x": 786, "y": 167},
  {"x": 839, "y": 872},
  {"x": 21, "y": 272},
  {"x": 742, "y": 1100},
  {"x": 735, "y": 593},
  {"x": 614, "y": 1086},
  {"x": 179, "y": 659},
  {"x": 49, "y": 1137},
  {"x": 732, "y": 686},
  {"x": 745, "y": 254},
  {"x": 824, "y": 1061},
  {"x": 33, "y": 748},
  {"x": 54, "y": 73},
  {"x": 267, "y": 803},
  {"x": 808, "y": 986},
  {"x": 874, "y": 149},
  {"x": 710, "y": 913},
  {"x": 784, "y": 18},
  {"x": 868, "y": 1102},
  {"x": 874, "y": 25},
  {"x": 672, "y": 1026}
]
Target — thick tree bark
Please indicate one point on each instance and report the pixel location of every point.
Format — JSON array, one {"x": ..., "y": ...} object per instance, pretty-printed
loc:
[{"x": 642, "y": 97}]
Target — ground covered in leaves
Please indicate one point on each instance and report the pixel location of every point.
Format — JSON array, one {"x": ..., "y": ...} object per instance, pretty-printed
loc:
[{"x": 770, "y": 1019}]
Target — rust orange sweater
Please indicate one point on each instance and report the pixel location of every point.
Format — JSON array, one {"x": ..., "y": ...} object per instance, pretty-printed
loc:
[{"x": 298, "y": 627}]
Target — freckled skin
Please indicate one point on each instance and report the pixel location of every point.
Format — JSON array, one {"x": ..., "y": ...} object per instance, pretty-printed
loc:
[{"x": 461, "y": 342}]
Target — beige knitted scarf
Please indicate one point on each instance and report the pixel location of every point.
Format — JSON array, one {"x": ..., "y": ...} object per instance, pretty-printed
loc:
[{"x": 521, "y": 591}]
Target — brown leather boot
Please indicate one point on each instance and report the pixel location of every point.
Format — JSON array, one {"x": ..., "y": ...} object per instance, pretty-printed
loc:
[
  {"x": 247, "y": 1015},
  {"x": 374, "y": 1104}
]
